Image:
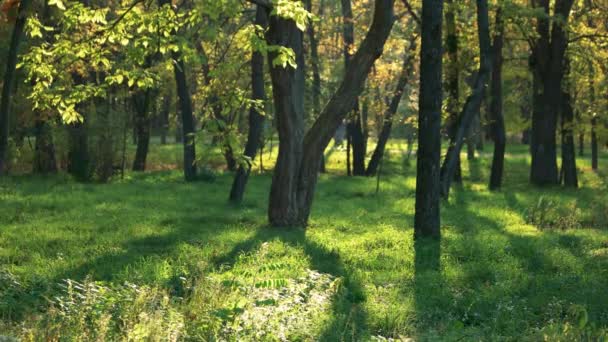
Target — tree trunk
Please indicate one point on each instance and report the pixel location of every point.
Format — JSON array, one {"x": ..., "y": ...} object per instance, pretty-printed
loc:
[
  {"x": 44, "y": 153},
  {"x": 79, "y": 163},
  {"x": 296, "y": 173},
  {"x": 427, "y": 217},
  {"x": 581, "y": 143},
  {"x": 453, "y": 79},
  {"x": 8, "y": 83},
  {"x": 141, "y": 102},
  {"x": 187, "y": 116},
  {"x": 256, "y": 120},
  {"x": 164, "y": 118},
  {"x": 548, "y": 64},
  {"x": 594, "y": 147},
  {"x": 473, "y": 103},
  {"x": 287, "y": 92},
  {"x": 406, "y": 71},
  {"x": 355, "y": 126},
  {"x": 185, "y": 103},
  {"x": 316, "y": 71},
  {"x": 496, "y": 106},
  {"x": 570, "y": 178}
]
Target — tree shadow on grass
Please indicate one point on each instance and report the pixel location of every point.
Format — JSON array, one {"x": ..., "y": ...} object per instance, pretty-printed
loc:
[{"x": 348, "y": 319}]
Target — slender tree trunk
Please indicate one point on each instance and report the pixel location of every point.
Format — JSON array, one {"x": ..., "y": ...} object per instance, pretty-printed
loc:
[
  {"x": 594, "y": 147},
  {"x": 187, "y": 115},
  {"x": 427, "y": 217},
  {"x": 316, "y": 71},
  {"x": 8, "y": 83},
  {"x": 185, "y": 103},
  {"x": 256, "y": 120},
  {"x": 296, "y": 173},
  {"x": 355, "y": 126},
  {"x": 164, "y": 118},
  {"x": 581, "y": 143},
  {"x": 570, "y": 178},
  {"x": 473, "y": 103},
  {"x": 496, "y": 106},
  {"x": 453, "y": 79},
  {"x": 406, "y": 71}
]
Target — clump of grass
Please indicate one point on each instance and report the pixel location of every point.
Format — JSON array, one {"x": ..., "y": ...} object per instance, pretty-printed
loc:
[
  {"x": 90, "y": 311},
  {"x": 548, "y": 214}
]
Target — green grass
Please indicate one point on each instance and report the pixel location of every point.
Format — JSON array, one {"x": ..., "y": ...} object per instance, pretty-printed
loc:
[{"x": 197, "y": 268}]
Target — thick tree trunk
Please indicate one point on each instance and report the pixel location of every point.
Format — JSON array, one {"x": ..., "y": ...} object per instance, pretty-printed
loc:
[
  {"x": 473, "y": 103},
  {"x": 406, "y": 71},
  {"x": 496, "y": 106},
  {"x": 256, "y": 120},
  {"x": 548, "y": 64},
  {"x": 141, "y": 102},
  {"x": 288, "y": 96},
  {"x": 44, "y": 151},
  {"x": 8, "y": 83},
  {"x": 79, "y": 161},
  {"x": 427, "y": 218},
  {"x": 453, "y": 79},
  {"x": 296, "y": 174}
]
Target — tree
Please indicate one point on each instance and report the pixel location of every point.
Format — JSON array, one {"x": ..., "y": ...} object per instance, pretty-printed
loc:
[
  {"x": 355, "y": 132},
  {"x": 427, "y": 217},
  {"x": 473, "y": 103},
  {"x": 296, "y": 171},
  {"x": 568, "y": 172},
  {"x": 9, "y": 80},
  {"x": 496, "y": 105},
  {"x": 453, "y": 79},
  {"x": 256, "y": 119},
  {"x": 406, "y": 71},
  {"x": 547, "y": 61}
]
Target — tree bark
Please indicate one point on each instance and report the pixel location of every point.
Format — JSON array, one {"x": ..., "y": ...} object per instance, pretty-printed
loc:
[
  {"x": 473, "y": 102},
  {"x": 296, "y": 174},
  {"x": 568, "y": 172},
  {"x": 8, "y": 83},
  {"x": 164, "y": 118},
  {"x": 427, "y": 217},
  {"x": 496, "y": 106},
  {"x": 594, "y": 147},
  {"x": 355, "y": 126},
  {"x": 453, "y": 79},
  {"x": 406, "y": 71},
  {"x": 44, "y": 150},
  {"x": 187, "y": 118},
  {"x": 316, "y": 71},
  {"x": 256, "y": 120},
  {"x": 548, "y": 64},
  {"x": 141, "y": 102}
]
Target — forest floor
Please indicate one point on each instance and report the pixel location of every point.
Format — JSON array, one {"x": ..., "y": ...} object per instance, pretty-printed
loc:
[{"x": 151, "y": 257}]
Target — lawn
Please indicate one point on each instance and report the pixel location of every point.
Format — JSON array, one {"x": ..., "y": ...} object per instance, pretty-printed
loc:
[{"x": 151, "y": 257}]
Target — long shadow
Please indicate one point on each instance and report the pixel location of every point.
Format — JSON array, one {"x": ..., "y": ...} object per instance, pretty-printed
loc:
[
  {"x": 348, "y": 319},
  {"x": 429, "y": 288}
]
